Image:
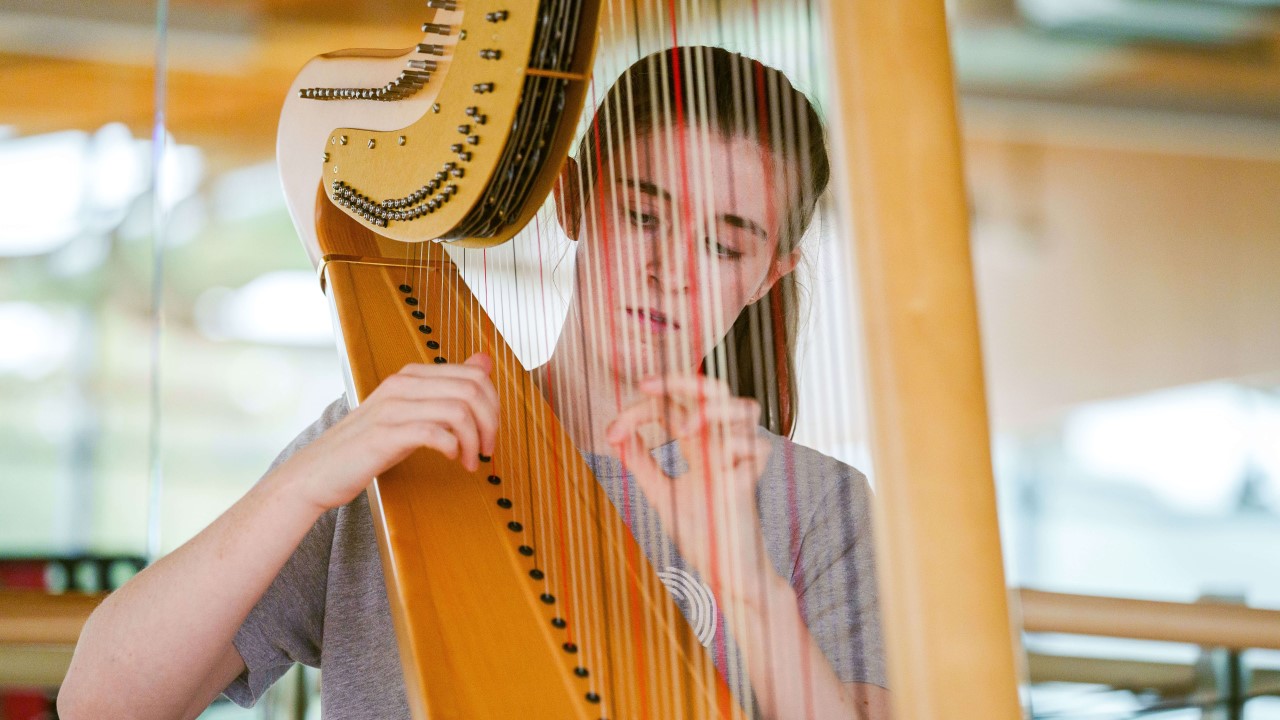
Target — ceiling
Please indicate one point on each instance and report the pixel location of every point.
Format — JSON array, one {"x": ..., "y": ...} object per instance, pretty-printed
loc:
[{"x": 67, "y": 64}]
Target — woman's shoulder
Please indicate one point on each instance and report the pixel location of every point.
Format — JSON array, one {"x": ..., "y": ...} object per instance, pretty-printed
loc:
[
  {"x": 331, "y": 415},
  {"x": 790, "y": 460},
  {"x": 799, "y": 483}
]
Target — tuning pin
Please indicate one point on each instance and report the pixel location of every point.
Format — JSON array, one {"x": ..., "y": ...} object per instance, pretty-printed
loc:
[
  {"x": 429, "y": 49},
  {"x": 442, "y": 4},
  {"x": 436, "y": 29},
  {"x": 427, "y": 65}
]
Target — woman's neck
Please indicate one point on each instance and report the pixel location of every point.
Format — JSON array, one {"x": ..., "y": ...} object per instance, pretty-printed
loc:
[{"x": 585, "y": 396}]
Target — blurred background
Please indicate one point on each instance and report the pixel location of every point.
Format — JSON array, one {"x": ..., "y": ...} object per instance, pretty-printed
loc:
[{"x": 162, "y": 335}]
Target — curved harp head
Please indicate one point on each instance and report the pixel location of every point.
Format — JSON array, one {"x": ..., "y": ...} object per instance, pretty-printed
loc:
[{"x": 458, "y": 138}]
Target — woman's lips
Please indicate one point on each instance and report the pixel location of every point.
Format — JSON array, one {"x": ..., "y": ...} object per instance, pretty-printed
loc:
[{"x": 657, "y": 320}]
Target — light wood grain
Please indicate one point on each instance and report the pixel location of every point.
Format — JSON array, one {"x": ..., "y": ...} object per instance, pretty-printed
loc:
[
  {"x": 1208, "y": 624},
  {"x": 34, "y": 617},
  {"x": 949, "y": 644},
  {"x": 476, "y": 640}
]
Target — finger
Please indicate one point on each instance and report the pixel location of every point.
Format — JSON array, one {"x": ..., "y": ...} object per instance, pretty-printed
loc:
[
  {"x": 726, "y": 451},
  {"x": 750, "y": 452},
  {"x": 686, "y": 387},
  {"x": 480, "y": 395},
  {"x": 759, "y": 459},
  {"x": 428, "y": 435},
  {"x": 723, "y": 417},
  {"x": 733, "y": 416},
  {"x": 653, "y": 482},
  {"x": 481, "y": 400},
  {"x": 453, "y": 414},
  {"x": 730, "y": 416},
  {"x": 649, "y": 411},
  {"x": 411, "y": 399},
  {"x": 480, "y": 360},
  {"x": 462, "y": 372}
]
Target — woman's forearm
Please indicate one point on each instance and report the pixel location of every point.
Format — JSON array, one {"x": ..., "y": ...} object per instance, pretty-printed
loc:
[
  {"x": 156, "y": 646},
  {"x": 792, "y": 678},
  {"x": 162, "y": 645}
]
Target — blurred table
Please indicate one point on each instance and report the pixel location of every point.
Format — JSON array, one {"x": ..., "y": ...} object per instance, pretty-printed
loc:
[{"x": 38, "y": 633}]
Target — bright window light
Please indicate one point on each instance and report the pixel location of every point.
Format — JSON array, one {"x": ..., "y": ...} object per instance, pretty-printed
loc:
[
  {"x": 1192, "y": 448},
  {"x": 247, "y": 193},
  {"x": 284, "y": 307},
  {"x": 37, "y": 342},
  {"x": 41, "y": 191},
  {"x": 61, "y": 185},
  {"x": 1204, "y": 22}
]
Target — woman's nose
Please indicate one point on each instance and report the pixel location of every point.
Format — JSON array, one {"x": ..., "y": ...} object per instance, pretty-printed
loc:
[{"x": 668, "y": 263}]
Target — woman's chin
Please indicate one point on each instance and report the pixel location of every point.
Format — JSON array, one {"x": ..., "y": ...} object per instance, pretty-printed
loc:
[{"x": 629, "y": 368}]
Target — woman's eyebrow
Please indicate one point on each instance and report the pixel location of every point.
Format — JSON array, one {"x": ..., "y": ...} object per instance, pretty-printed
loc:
[
  {"x": 646, "y": 187},
  {"x": 740, "y": 222},
  {"x": 649, "y": 188}
]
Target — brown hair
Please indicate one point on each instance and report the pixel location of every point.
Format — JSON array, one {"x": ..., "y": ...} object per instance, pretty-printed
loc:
[{"x": 735, "y": 96}]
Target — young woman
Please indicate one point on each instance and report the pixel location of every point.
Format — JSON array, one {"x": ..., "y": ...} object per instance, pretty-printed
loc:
[{"x": 688, "y": 217}]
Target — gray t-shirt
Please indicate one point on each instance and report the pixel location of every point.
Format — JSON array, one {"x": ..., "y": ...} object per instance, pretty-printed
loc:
[{"x": 328, "y": 606}]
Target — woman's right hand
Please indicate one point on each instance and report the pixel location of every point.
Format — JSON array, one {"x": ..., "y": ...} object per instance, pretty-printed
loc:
[
  {"x": 450, "y": 408},
  {"x": 174, "y": 623}
]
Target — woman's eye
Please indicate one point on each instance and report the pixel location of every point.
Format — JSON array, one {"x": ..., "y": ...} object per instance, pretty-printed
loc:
[
  {"x": 642, "y": 219},
  {"x": 722, "y": 250}
]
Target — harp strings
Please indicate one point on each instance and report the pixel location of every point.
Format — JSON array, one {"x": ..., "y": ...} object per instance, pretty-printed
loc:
[
  {"x": 629, "y": 279},
  {"x": 672, "y": 151}
]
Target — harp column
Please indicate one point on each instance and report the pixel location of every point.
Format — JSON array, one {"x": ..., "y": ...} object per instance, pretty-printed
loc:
[{"x": 950, "y": 648}]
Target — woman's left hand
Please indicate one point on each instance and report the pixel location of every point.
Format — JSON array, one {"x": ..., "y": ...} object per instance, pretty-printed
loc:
[{"x": 710, "y": 511}]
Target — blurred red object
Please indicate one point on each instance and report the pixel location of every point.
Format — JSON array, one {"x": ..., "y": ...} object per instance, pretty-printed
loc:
[
  {"x": 24, "y": 704},
  {"x": 22, "y": 574}
]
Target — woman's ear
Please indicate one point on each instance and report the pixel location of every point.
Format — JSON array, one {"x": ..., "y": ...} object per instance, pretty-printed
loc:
[
  {"x": 778, "y": 270},
  {"x": 568, "y": 194}
]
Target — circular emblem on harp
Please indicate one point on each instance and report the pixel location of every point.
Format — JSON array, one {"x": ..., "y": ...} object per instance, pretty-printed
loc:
[{"x": 696, "y": 600}]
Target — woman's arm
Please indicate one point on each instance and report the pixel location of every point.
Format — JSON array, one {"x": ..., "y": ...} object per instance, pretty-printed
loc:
[
  {"x": 792, "y": 677},
  {"x": 161, "y": 646}
]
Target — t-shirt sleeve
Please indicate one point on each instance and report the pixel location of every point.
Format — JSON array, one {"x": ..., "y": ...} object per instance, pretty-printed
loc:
[
  {"x": 835, "y": 579},
  {"x": 287, "y": 623}
]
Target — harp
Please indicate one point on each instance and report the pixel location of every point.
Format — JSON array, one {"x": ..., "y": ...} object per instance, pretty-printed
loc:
[
  {"x": 522, "y": 576},
  {"x": 499, "y": 76}
]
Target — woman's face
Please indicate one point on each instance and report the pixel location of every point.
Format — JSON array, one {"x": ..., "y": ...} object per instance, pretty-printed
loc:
[{"x": 671, "y": 249}]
